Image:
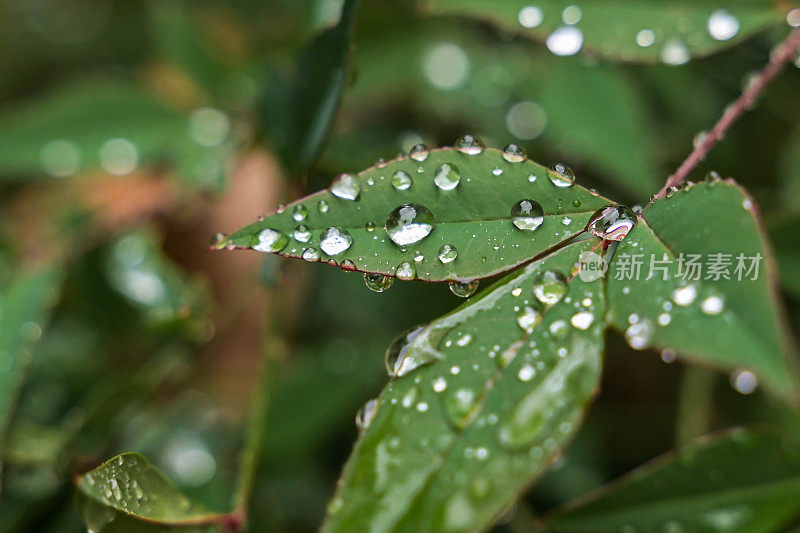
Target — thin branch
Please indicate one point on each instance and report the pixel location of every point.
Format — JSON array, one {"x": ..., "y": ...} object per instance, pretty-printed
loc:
[{"x": 778, "y": 59}]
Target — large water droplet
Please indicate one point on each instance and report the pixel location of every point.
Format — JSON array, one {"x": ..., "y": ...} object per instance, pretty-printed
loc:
[
  {"x": 612, "y": 222},
  {"x": 401, "y": 180},
  {"x": 270, "y": 240},
  {"x": 377, "y": 282},
  {"x": 722, "y": 25},
  {"x": 418, "y": 152},
  {"x": 464, "y": 289},
  {"x": 334, "y": 241},
  {"x": 514, "y": 153},
  {"x": 527, "y": 214},
  {"x": 565, "y": 41},
  {"x": 346, "y": 186},
  {"x": 561, "y": 175},
  {"x": 447, "y": 177},
  {"x": 550, "y": 287},
  {"x": 401, "y": 357},
  {"x": 639, "y": 335},
  {"x": 365, "y": 415},
  {"x": 582, "y": 319},
  {"x": 405, "y": 271},
  {"x": 301, "y": 233},
  {"x": 409, "y": 224},
  {"x": 459, "y": 404},
  {"x": 528, "y": 318},
  {"x": 300, "y": 213},
  {"x": 448, "y": 254},
  {"x": 311, "y": 254},
  {"x": 469, "y": 145}
]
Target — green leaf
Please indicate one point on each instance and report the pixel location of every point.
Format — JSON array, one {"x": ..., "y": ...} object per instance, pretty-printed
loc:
[
  {"x": 612, "y": 29},
  {"x": 742, "y": 480},
  {"x": 66, "y": 131},
  {"x": 300, "y": 121},
  {"x": 128, "y": 486},
  {"x": 727, "y": 323},
  {"x": 24, "y": 306},
  {"x": 474, "y": 217},
  {"x": 451, "y": 443}
]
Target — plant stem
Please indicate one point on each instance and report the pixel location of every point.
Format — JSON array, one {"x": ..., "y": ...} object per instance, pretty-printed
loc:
[
  {"x": 778, "y": 59},
  {"x": 695, "y": 404}
]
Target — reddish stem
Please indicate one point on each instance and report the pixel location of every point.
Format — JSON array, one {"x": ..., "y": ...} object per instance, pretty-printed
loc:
[{"x": 778, "y": 59}]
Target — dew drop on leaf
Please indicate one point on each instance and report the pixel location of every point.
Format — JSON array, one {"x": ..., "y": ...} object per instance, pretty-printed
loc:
[
  {"x": 713, "y": 305},
  {"x": 459, "y": 404},
  {"x": 446, "y": 177},
  {"x": 409, "y": 224},
  {"x": 612, "y": 222},
  {"x": 301, "y": 233},
  {"x": 464, "y": 289},
  {"x": 270, "y": 240},
  {"x": 582, "y": 320},
  {"x": 527, "y": 214},
  {"x": 369, "y": 226},
  {"x": 311, "y": 254},
  {"x": 322, "y": 206},
  {"x": 684, "y": 295},
  {"x": 365, "y": 415},
  {"x": 550, "y": 287},
  {"x": 346, "y": 187},
  {"x": 514, "y": 153},
  {"x": 528, "y": 318},
  {"x": 400, "y": 359},
  {"x": 405, "y": 271},
  {"x": 334, "y": 241},
  {"x": 418, "y": 152},
  {"x": 447, "y": 254},
  {"x": 300, "y": 213},
  {"x": 639, "y": 335},
  {"x": 347, "y": 264},
  {"x": 561, "y": 175},
  {"x": 469, "y": 145},
  {"x": 401, "y": 180},
  {"x": 377, "y": 282}
]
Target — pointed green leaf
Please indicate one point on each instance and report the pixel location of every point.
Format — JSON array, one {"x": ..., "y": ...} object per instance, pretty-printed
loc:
[
  {"x": 24, "y": 307},
  {"x": 729, "y": 323},
  {"x": 128, "y": 490},
  {"x": 656, "y": 30},
  {"x": 744, "y": 481},
  {"x": 474, "y": 217},
  {"x": 449, "y": 445},
  {"x": 112, "y": 125},
  {"x": 299, "y": 122}
]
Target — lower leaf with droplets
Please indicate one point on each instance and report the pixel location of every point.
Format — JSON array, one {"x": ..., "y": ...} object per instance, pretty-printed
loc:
[
  {"x": 127, "y": 493},
  {"x": 492, "y": 391}
]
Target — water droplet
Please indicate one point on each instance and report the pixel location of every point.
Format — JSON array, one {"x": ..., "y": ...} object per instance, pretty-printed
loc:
[
  {"x": 300, "y": 213},
  {"x": 744, "y": 381},
  {"x": 401, "y": 180},
  {"x": 401, "y": 358},
  {"x": 418, "y": 152},
  {"x": 334, "y": 241},
  {"x": 566, "y": 221},
  {"x": 497, "y": 171},
  {"x": 409, "y": 224},
  {"x": 422, "y": 407},
  {"x": 378, "y": 282},
  {"x": 612, "y": 222},
  {"x": 668, "y": 356},
  {"x": 270, "y": 240},
  {"x": 713, "y": 305},
  {"x": 528, "y": 318},
  {"x": 459, "y": 405},
  {"x": 639, "y": 335},
  {"x": 446, "y": 177},
  {"x": 558, "y": 328},
  {"x": 565, "y": 41},
  {"x": 532, "y": 178},
  {"x": 550, "y": 287},
  {"x": 464, "y": 289},
  {"x": 365, "y": 415},
  {"x": 464, "y": 340},
  {"x": 675, "y": 53},
  {"x": 346, "y": 187},
  {"x": 664, "y": 319},
  {"x": 439, "y": 384},
  {"x": 645, "y": 38},
  {"x": 447, "y": 254},
  {"x": 310, "y": 254},
  {"x": 530, "y": 16},
  {"x": 582, "y": 320},
  {"x": 526, "y": 373},
  {"x": 322, "y": 206},
  {"x": 302, "y": 234},
  {"x": 527, "y": 214},
  {"x": 684, "y": 295},
  {"x": 115, "y": 488},
  {"x": 561, "y": 175},
  {"x": 369, "y": 226},
  {"x": 722, "y": 25},
  {"x": 514, "y": 153},
  {"x": 347, "y": 264},
  {"x": 405, "y": 271},
  {"x": 469, "y": 145}
]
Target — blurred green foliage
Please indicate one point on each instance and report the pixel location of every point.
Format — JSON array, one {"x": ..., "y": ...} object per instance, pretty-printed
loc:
[{"x": 98, "y": 97}]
